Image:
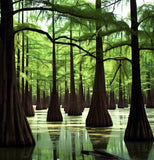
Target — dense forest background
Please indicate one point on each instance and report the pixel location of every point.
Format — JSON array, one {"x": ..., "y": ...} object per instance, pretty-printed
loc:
[
  {"x": 116, "y": 44},
  {"x": 78, "y": 53}
]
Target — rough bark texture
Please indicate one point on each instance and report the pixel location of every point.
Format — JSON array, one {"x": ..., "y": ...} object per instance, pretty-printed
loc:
[
  {"x": 54, "y": 113},
  {"x": 138, "y": 128},
  {"x": 14, "y": 127},
  {"x": 98, "y": 115}
]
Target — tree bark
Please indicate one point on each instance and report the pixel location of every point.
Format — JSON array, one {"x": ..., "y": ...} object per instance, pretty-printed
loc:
[
  {"x": 81, "y": 101},
  {"x": 149, "y": 101},
  {"x": 54, "y": 112},
  {"x": 14, "y": 127},
  {"x": 28, "y": 107},
  {"x": 112, "y": 101},
  {"x": 73, "y": 106},
  {"x": 120, "y": 101},
  {"x": 23, "y": 60},
  {"x": 38, "y": 103},
  {"x": 66, "y": 95},
  {"x": 44, "y": 103},
  {"x": 88, "y": 99},
  {"x": 98, "y": 115},
  {"x": 138, "y": 128}
]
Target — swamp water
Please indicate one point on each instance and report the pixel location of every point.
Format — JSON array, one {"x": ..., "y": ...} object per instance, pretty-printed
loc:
[{"x": 65, "y": 140}]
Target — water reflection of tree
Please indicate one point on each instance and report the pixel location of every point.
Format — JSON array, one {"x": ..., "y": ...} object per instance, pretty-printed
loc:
[
  {"x": 99, "y": 138},
  {"x": 16, "y": 153},
  {"x": 139, "y": 150},
  {"x": 54, "y": 133}
]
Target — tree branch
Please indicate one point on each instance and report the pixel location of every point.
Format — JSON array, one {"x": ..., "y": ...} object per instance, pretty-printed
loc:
[
  {"x": 52, "y": 40},
  {"x": 146, "y": 48},
  {"x": 115, "y": 74},
  {"x": 112, "y": 4},
  {"x": 118, "y": 59},
  {"x": 61, "y": 9},
  {"x": 60, "y": 37},
  {"x": 150, "y": 16},
  {"x": 17, "y": 1},
  {"x": 118, "y": 45}
]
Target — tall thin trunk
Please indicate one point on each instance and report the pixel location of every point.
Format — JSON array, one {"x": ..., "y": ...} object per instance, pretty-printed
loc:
[
  {"x": 28, "y": 107},
  {"x": 149, "y": 101},
  {"x": 73, "y": 106},
  {"x": 81, "y": 101},
  {"x": 88, "y": 98},
  {"x": 18, "y": 57},
  {"x": 120, "y": 102},
  {"x": 54, "y": 112},
  {"x": 38, "y": 103},
  {"x": 112, "y": 101},
  {"x": 138, "y": 128},
  {"x": 66, "y": 95},
  {"x": 98, "y": 115},
  {"x": 14, "y": 127},
  {"x": 23, "y": 59}
]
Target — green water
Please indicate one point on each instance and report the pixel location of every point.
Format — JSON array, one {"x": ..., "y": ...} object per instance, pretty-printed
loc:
[{"x": 65, "y": 140}]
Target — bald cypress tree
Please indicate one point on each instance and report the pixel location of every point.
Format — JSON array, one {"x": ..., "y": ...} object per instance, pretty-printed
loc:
[
  {"x": 14, "y": 127},
  {"x": 138, "y": 128},
  {"x": 98, "y": 115}
]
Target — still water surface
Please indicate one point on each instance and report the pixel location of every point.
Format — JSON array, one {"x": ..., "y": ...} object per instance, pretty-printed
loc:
[{"x": 65, "y": 140}]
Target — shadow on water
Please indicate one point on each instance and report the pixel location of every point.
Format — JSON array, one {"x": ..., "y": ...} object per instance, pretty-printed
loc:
[
  {"x": 16, "y": 153},
  {"x": 139, "y": 150}
]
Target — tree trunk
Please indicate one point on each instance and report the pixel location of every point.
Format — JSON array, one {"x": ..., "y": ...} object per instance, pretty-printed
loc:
[
  {"x": 73, "y": 106},
  {"x": 98, "y": 115},
  {"x": 112, "y": 101},
  {"x": 81, "y": 101},
  {"x": 18, "y": 56},
  {"x": 23, "y": 60},
  {"x": 54, "y": 113},
  {"x": 66, "y": 95},
  {"x": 88, "y": 99},
  {"x": 138, "y": 128},
  {"x": 149, "y": 101},
  {"x": 28, "y": 107},
  {"x": 120, "y": 102},
  {"x": 38, "y": 103},
  {"x": 44, "y": 103},
  {"x": 14, "y": 127},
  {"x": 66, "y": 98}
]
